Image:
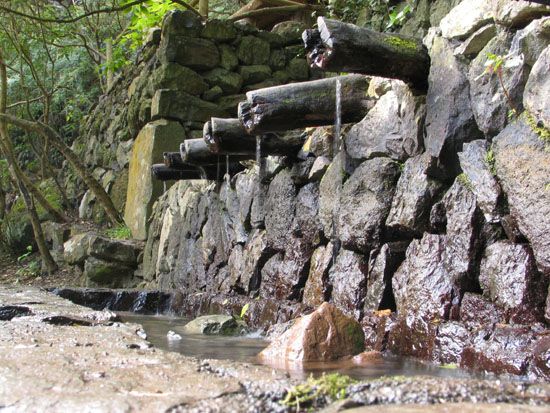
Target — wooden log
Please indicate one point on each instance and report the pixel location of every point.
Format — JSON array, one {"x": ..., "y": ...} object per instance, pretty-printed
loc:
[
  {"x": 173, "y": 160},
  {"x": 196, "y": 152},
  {"x": 229, "y": 137},
  {"x": 212, "y": 173},
  {"x": 342, "y": 47},
  {"x": 305, "y": 104}
]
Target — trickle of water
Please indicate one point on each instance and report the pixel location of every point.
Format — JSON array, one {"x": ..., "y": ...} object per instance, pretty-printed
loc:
[
  {"x": 202, "y": 172},
  {"x": 227, "y": 176},
  {"x": 337, "y": 118},
  {"x": 218, "y": 170},
  {"x": 164, "y": 186}
]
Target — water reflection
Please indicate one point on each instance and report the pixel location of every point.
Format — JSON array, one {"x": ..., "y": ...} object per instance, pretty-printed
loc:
[{"x": 245, "y": 349}]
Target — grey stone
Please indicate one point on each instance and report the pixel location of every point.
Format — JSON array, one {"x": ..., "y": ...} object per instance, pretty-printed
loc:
[
  {"x": 464, "y": 220},
  {"x": 177, "y": 77},
  {"x": 300, "y": 171},
  {"x": 253, "y": 51},
  {"x": 280, "y": 207},
  {"x": 106, "y": 273},
  {"x": 153, "y": 36},
  {"x": 532, "y": 40},
  {"x": 537, "y": 91},
  {"x": 422, "y": 287},
  {"x": 229, "y": 104},
  {"x": 212, "y": 324},
  {"x": 319, "y": 168},
  {"x": 298, "y": 69},
  {"x": 348, "y": 279},
  {"x": 514, "y": 14},
  {"x": 255, "y": 254},
  {"x": 219, "y": 30},
  {"x": 55, "y": 234},
  {"x": 306, "y": 221},
  {"x": 439, "y": 9},
  {"x": 330, "y": 189},
  {"x": 523, "y": 168},
  {"x": 254, "y": 74},
  {"x": 465, "y": 18},
  {"x": 365, "y": 203},
  {"x": 383, "y": 263},
  {"x": 290, "y": 31},
  {"x": 451, "y": 339},
  {"x": 184, "y": 107},
  {"x": 75, "y": 250},
  {"x": 477, "y": 311},
  {"x": 316, "y": 288},
  {"x": 181, "y": 23},
  {"x": 293, "y": 52},
  {"x": 489, "y": 102},
  {"x": 277, "y": 59},
  {"x": 477, "y": 41},
  {"x": 393, "y": 128},
  {"x": 474, "y": 162},
  {"x": 508, "y": 276},
  {"x": 197, "y": 54},
  {"x": 228, "y": 57},
  {"x": 113, "y": 250},
  {"x": 415, "y": 194},
  {"x": 449, "y": 118},
  {"x": 230, "y": 82}
]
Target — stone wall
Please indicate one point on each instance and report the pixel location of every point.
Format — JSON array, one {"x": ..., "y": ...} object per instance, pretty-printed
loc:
[{"x": 431, "y": 227}]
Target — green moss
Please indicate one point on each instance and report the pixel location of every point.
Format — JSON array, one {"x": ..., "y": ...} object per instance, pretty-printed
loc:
[
  {"x": 465, "y": 181},
  {"x": 333, "y": 386},
  {"x": 120, "y": 232},
  {"x": 542, "y": 132},
  {"x": 402, "y": 44},
  {"x": 357, "y": 337},
  {"x": 490, "y": 161}
]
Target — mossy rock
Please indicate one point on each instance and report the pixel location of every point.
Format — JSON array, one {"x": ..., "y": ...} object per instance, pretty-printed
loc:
[
  {"x": 219, "y": 30},
  {"x": 253, "y": 51}
]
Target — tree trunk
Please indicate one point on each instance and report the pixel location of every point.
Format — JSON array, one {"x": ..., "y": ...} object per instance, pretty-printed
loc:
[
  {"x": 212, "y": 173},
  {"x": 109, "y": 62},
  {"x": 203, "y": 8},
  {"x": 342, "y": 47},
  {"x": 229, "y": 137},
  {"x": 196, "y": 152},
  {"x": 301, "y": 105}
]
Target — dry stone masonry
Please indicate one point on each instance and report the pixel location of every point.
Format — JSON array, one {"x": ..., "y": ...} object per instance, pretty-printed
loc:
[{"x": 431, "y": 227}]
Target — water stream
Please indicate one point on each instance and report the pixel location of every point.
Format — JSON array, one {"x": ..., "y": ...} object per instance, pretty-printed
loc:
[
  {"x": 246, "y": 348},
  {"x": 336, "y": 148}
]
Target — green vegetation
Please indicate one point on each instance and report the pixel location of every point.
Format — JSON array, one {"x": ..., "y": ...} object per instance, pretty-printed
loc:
[
  {"x": 402, "y": 44},
  {"x": 542, "y": 132},
  {"x": 328, "y": 386},
  {"x": 490, "y": 161},
  {"x": 378, "y": 14},
  {"x": 119, "y": 232},
  {"x": 465, "y": 181}
]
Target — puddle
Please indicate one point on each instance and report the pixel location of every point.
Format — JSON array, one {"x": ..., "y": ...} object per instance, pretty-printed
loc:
[{"x": 245, "y": 349}]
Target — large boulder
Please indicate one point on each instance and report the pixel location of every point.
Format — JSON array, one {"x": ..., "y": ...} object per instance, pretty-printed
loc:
[
  {"x": 154, "y": 139},
  {"x": 197, "y": 54},
  {"x": 523, "y": 167},
  {"x": 324, "y": 335},
  {"x": 106, "y": 273},
  {"x": 478, "y": 168},
  {"x": 280, "y": 207},
  {"x": 415, "y": 194},
  {"x": 465, "y": 18},
  {"x": 348, "y": 280},
  {"x": 172, "y": 104},
  {"x": 393, "y": 128},
  {"x": 514, "y": 14},
  {"x": 449, "y": 120},
  {"x": 509, "y": 277},
  {"x": 365, "y": 203},
  {"x": 181, "y": 23},
  {"x": 219, "y": 30},
  {"x": 537, "y": 91}
]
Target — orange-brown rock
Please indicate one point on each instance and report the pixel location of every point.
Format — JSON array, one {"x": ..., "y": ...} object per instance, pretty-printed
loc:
[{"x": 324, "y": 335}]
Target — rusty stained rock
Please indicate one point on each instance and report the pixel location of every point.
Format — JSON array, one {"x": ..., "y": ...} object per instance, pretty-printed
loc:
[{"x": 324, "y": 335}]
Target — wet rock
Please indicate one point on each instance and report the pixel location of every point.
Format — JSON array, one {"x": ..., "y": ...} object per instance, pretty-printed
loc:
[
  {"x": 365, "y": 203},
  {"x": 348, "y": 280},
  {"x": 477, "y": 41},
  {"x": 75, "y": 250},
  {"x": 254, "y": 74},
  {"x": 537, "y": 90},
  {"x": 194, "y": 53},
  {"x": 477, "y": 311},
  {"x": 509, "y": 277},
  {"x": 422, "y": 286},
  {"x": 326, "y": 334},
  {"x": 452, "y": 338},
  {"x": 106, "y": 273},
  {"x": 465, "y": 18},
  {"x": 230, "y": 82},
  {"x": 306, "y": 222},
  {"x": 393, "y": 128},
  {"x": 547, "y": 312},
  {"x": 523, "y": 167},
  {"x": 376, "y": 327},
  {"x": 489, "y": 101},
  {"x": 539, "y": 367},
  {"x": 329, "y": 194},
  {"x": 219, "y": 30},
  {"x": 8, "y": 312},
  {"x": 383, "y": 263},
  {"x": 253, "y": 51},
  {"x": 255, "y": 254},
  {"x": 416, "y": 192},
  {"x": 280, "y": 206},
  {"x": 413, "y": 337},
  {"x": 506, "y": 350},
  {"x": 319, "y": 168},
  {"x": 246, "y": 187},
  {"x": 474, "y": 161},
  {"x": 183, "y": 107},
  {"x": 449, "y": 120},
  {"x": 514, "y": 14},
  {"x": 316, "y": 290},
  {"x": 212, "y": 324},
  {"x": 464, "y": 220}
]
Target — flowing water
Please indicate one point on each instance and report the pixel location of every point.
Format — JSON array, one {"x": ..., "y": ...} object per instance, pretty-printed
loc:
[
  {"x": 246, "y": 348},
  {"x": 336, "y": 148}
]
